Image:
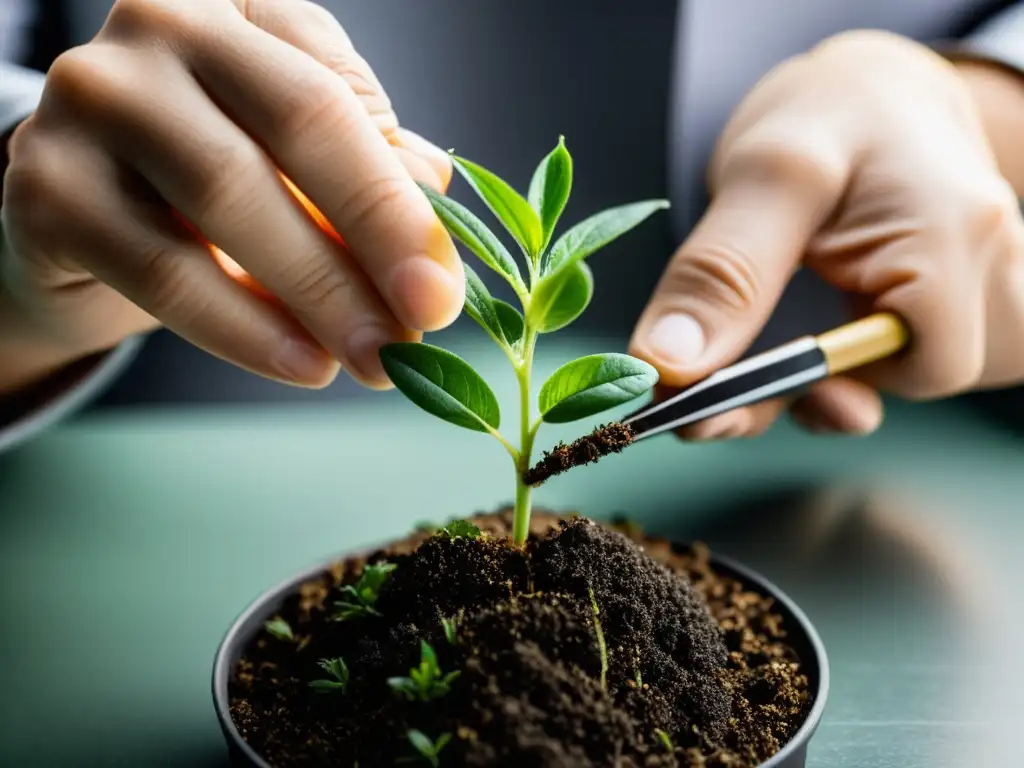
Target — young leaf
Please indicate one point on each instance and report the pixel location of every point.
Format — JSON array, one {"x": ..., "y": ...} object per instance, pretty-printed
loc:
[
  {"x": 560, "y": 298},
  {"x": 596, "y": 232},
  {"x": 442, "y": 384},
  {"x": 549, "y": 189},
  {"x": 511, "y": 321},
  {"x": 460, "y": 529},
  {"x": 465, "y": 227},
  {"x": 593, "y": 384},
  {"x": 507, "y": 204},
  {"x": 279, "y": 628},
  {"x": 480, "y": 306},
  {"x": 362, "y": 596},
  {"x": 450, "y": 626},
  {"x": 429, "y": 750},
  {"x": 338, "y": 670}
]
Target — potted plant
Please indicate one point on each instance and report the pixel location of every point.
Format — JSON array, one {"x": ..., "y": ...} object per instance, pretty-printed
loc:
[{"x": 518, "y": 637}]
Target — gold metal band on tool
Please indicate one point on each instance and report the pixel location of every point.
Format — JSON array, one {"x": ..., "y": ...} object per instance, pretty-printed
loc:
[{"x": 862, "y": 342}]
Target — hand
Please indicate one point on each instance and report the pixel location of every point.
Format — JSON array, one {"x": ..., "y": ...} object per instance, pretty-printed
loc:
[
  {"x": 867, "y": 161},
  {"x": 182, "y": 125}
]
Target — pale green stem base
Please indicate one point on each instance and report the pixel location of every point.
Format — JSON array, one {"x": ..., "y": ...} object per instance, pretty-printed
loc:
[{"x": 521, "y": 519}]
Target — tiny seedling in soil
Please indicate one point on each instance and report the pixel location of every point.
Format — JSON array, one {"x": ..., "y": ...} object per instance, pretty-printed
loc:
[
  {"x": 362, "y": 596},
  {"x": 426, "y": 681},
  {"x": 460, "y": 529},
  {"x": 555, "y": 291},
  {"x": 338, "y": 670},
  {"x": 279, "y": 628},
  {"x": 450, "y": 626},
  {"x": 665, "y": 740},
  {"x": 428, "y": 750}
]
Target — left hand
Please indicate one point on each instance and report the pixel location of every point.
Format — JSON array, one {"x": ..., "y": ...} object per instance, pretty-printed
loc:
[{"x": 867, "y": 160}]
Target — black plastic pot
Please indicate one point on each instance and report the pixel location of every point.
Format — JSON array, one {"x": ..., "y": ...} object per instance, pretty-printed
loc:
[{"x": 804, "y": 640}]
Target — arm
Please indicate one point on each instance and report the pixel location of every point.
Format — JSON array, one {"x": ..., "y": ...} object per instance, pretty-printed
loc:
[{"x": 39, "y": 384}]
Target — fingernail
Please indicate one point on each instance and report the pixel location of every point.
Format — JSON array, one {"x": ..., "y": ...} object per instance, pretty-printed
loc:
[
  {"x": 364, "y": 353},
  {"x": 439, "y": 160},
  {"x": 677, "y": 339},
  {"x": 427, "y": 292},
  {"x": 302, "y": 362}
]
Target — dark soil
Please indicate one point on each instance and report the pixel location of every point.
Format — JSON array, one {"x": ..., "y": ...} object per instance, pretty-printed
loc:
[
  {"x": 606, "y": 439},
  {"x": 690, "y": 653}
]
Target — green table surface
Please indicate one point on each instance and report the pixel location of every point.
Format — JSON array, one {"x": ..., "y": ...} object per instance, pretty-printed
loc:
[{"x": 130, "y": 540}]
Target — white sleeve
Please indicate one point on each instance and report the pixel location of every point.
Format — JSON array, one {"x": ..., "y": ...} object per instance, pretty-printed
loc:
[{"x": 20, "y": 91}]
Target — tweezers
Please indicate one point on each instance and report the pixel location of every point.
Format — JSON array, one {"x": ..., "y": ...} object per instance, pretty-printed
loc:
[{"x": 781, "y": 371}]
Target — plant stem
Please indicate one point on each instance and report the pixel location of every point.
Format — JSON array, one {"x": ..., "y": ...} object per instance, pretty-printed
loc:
[{"x": 521, "y": 519}]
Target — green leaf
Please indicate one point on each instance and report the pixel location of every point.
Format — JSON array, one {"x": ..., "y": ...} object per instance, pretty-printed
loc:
[
  {"x": 422, "y": 744},
  {"x": 442, "y": 384},
  {"x": 429, "y": 658},
  {"x": 465, "y": 227},
  {"x": 549, "y": 189},
  {"x": 460, "y": 529},
  {"x": 508, "y": 205},
  {"x": 480, "y": 305},
  {"x": 336, "y": 668},
  {"x": 593, "y": 384},
  {"x": 597, "y": 231},
  {"x": 279, "y": 628},
  {"x": 512, "y": 323},
  {"x": 560, "y": 298}
]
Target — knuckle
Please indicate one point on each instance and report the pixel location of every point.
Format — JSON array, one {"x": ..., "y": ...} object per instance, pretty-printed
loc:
[
  {"x": 779, "y": 162},
  {"x": 318, "y": 15},
  {"x": 717, "y": 273},
  {"x": 34, "y": 192},
  {"x": 992, "y": 211},
  {"x": 161, "y": 277},
  {"x": 90, "y": 79},
  {"x": 314, "y": 116},
  {"x": 145, "y": 18},
  {"x": 370, "y": 201},
  {"x": 223, "y": 185},
  {"x": 322, "y": 285}
]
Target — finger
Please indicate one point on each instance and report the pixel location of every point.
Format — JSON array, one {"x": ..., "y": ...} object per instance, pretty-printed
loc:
[
  {"x": 723, "y": 283},
  {"x": 421, "y": 169},
  {"x": 316, "y": 129},
  {"x": 439, "y": 160},
  {"x": 313, "y": 29},
  {"x": 132, "y": 243},
  {"x": 749, "y": 421},
  {"x": 207, "y": 168},
  {"x": 839, "y": 405}
]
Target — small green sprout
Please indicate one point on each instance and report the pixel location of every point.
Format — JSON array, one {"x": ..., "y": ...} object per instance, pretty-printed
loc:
[
  {"x": 424, "y": 682},
  {"x": 363, "y": 596},
  {"x": 429, "y": 750},
  {"x": 425, "y": 526},
  {"x": 280, "y": 629},
  {"x": 337, "y": 669},
  {"x": 450, "y": 626},
  {"x": 460, "y": 529},
  {"x": 665, "y": 740},
  {"x": 556, "y": 290},
  {"x": 600, "y": 638}
]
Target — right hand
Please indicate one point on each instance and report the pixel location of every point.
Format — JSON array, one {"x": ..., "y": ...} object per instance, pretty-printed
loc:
[{"x": 171, "y": 131}]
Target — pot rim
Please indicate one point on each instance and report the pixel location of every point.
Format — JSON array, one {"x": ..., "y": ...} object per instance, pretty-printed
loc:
[{"x": 240, "y": 632}]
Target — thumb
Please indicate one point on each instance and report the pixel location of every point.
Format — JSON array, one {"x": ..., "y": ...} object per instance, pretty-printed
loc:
[{"x": 723, "y": 283}]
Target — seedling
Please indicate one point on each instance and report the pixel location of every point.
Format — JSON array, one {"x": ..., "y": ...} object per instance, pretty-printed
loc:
[
  {"x": 557, "y": 289},
  {"x": 460, "y": 529},
  {"x": 363, "y": 595},
  {"x": 665, "y": 739},
  {"x": 601, "y": 644},
  {"x": 450, "y": 625},
  {"x": 429, "y": 750},
  {"x": 425, "y": 682},
  {"x": 338, "y": 670},
  {"x": 280, "y": 629}
]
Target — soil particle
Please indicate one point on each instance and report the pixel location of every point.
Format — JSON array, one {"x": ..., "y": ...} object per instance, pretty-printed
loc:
[{"x": 605, "y": 440}]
